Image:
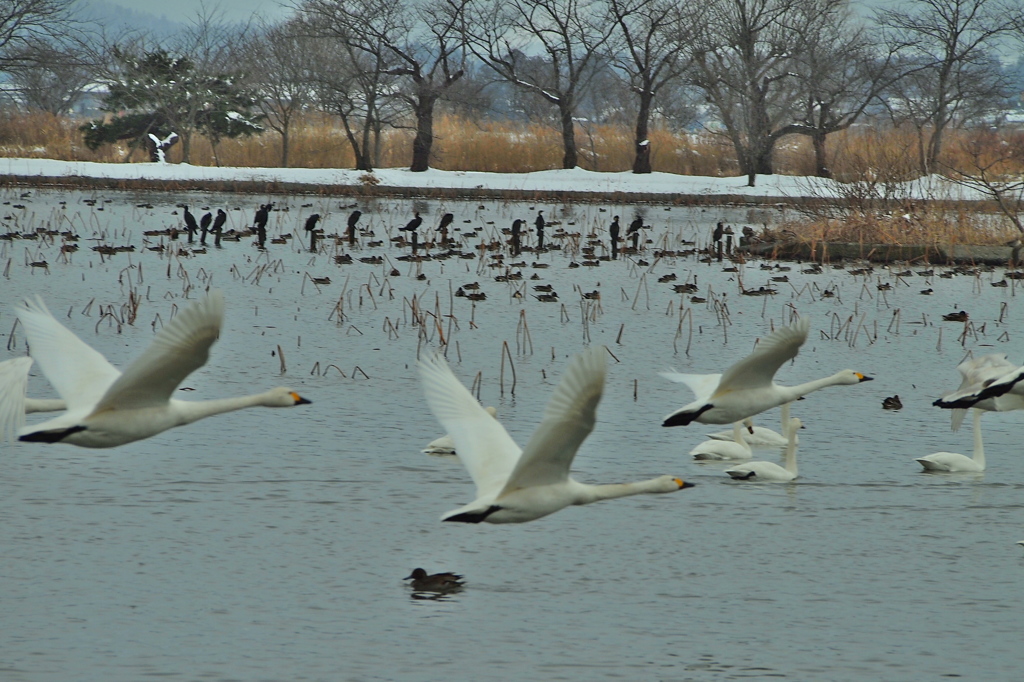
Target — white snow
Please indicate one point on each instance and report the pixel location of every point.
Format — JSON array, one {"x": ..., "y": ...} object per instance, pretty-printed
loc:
[{"x": 573, "y": 180}]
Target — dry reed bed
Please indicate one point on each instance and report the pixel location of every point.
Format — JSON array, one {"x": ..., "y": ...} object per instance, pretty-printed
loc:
[{"x": 318, "y": 141}]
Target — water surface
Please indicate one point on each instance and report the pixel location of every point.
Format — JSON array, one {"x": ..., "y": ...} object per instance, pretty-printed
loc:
[{"x": 270, "y": 544}]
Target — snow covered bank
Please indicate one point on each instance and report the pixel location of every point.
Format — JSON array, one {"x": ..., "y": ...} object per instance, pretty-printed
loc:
[{"x": 623, "y": 185}]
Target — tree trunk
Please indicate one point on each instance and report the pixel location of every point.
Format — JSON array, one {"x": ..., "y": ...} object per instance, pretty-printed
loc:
[
  {"x": 642, "y": 159},
  {"x": 935, "y": 144},
  {"x": 821, "y": 168},
  {"x": 570, "y": 157},
  {"x": 922, "y": 156},
  {"x": 358, "y": 151},
  {"x": 763, "y": 161},
  {"x": 364, "y": 161},
  {"x": 186, "y": 147},
  {"x": 761, "y": 141},
  {"x": 378, "y": 142},
  {"x": 285, "y": 139},
  {"x": 424, "y": 140}
]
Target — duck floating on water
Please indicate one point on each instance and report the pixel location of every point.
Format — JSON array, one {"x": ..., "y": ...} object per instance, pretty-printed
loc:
[{"x": 435, "y": 582}]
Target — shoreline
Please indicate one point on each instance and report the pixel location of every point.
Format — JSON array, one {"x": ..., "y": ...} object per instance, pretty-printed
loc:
[
  {"x": 933, "y": 254},
  {"x": 268, "y": 187}
]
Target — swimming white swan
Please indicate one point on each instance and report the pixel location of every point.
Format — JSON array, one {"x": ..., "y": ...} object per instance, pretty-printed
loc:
[
  {"x": 106, "y": 408},
  {"x": 982, "y": 382},
  {"x": 747, "y": 387},
  {"x": 954, "y": 461},
  {"x": 445, "y": 445},
  {"x": 735, "y": 448},
  {"x": 13, "y": 403},
  {"x": 759, "y": 435},
  {"x": 513, "y": 485},
  {"x": 770, "y": 471}
]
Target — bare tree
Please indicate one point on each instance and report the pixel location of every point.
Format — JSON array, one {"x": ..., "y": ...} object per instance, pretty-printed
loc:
[
  {"x": 213, "y": 46},
  {"x": 652, "y": 37},
  {"x": 991, "y": 169},
  {"x": 421, "y": 43},
  {"x": 950, "y": 72},
  {"x": 744, "y": 62},
  {"x": 49, "y": 77},
  {"x": 571, "y": 36},
  {"x": 841, "y": 71},
  {"x": 280, "y": 62},
  {"x": 24, "y": 23},
  {"x": 353, "y": 85}
]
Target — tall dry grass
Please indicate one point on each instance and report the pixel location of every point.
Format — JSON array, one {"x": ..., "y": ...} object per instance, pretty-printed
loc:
[
  {"x": 919, "y": 225},
  {"x": 318, "y": 141}
]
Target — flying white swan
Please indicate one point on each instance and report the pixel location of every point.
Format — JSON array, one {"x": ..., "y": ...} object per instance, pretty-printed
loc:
[
  {"x": 106, "y": 408},
  {"x": 989, "y": 382},
  {"x": 445, "y": 445},
  {"x": 513, "y": 485},
  {"x": 747, "y": 387},
  {"x": 770, "y": 471},
  {"x": 734, "y": 448},
  {"x": 759, "y": 435},
  {"x": 954, "y": 461},
  {"x": 13, "y": 403}
]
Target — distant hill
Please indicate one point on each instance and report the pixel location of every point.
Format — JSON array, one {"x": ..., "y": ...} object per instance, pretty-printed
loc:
[{"x": 115, "y": 19}]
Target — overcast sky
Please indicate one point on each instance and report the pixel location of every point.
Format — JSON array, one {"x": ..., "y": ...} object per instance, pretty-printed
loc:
[
  {"x": 242, "y": 10},
  {"x": 233, "y": 10}
]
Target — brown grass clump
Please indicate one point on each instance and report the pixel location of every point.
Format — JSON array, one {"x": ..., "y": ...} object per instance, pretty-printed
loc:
[
  {"x": 910, "y": 224},
  {"x": 38, "y": 134}
]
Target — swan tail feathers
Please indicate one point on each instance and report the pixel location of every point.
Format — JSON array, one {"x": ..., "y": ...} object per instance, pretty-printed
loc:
[
  {"x": 685, "y": 417},
  {"x": 475, "y": 516}
]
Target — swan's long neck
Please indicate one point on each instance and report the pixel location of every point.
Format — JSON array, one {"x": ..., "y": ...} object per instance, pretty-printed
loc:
[
  {"x": 979, "y": 447},
  {"x": 785, "y": 418},
  {"x": 596, "y": 493},
  {"x": 737, "y": 433},
  {"x": 44, "y": 405},
  {"x": 789, "y": 462},
  {"x": 191, "y": 411},
  {"x": 800, "y": 390}
]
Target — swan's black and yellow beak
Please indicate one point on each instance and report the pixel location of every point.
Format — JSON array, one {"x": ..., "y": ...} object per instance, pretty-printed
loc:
[
  {"x": 863, "y": 378},
  {"x": 299, "y": 400},
  {"x": 683, "y": 484}
]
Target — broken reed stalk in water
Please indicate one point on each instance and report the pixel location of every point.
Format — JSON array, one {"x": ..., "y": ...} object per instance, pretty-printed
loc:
[{"x": 506, "y": 352}]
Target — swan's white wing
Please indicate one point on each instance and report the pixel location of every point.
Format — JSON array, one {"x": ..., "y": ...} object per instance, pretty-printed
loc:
[
  {"x": 178, "y": 349},
  {"x": 481, "y": 442},
  {"x": 13, "y": 388},
  {"x": 758, "y": 369},
  {"x": 568, "y": 420},
  {"x": 78, "y": 372},
  {"x": 974, "y": 373},
  {"x": 702, "y": 385}
]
